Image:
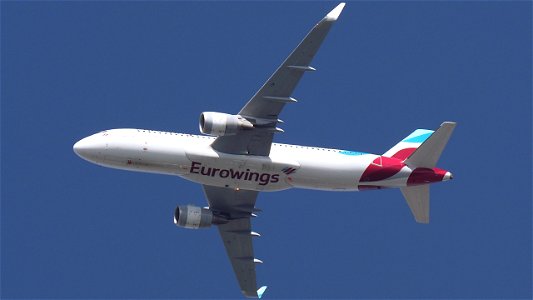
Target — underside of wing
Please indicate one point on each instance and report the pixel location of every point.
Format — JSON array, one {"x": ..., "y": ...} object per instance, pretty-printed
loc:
[
  {"x": 252, "y": 142},
  {"x": 237, "y": 206},
  {"x": 237, "y": 238},
  {"x": 232, "y": 203},
  {"x": 264, "y": 107},
  {"x": 268, "y": 102}
]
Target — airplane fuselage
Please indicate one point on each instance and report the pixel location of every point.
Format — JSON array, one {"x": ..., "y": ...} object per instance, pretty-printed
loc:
[{"x": 192, "y": 157}]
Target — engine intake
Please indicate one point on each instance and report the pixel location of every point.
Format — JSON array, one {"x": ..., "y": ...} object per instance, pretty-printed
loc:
[
  {"x": 194, "y": 217},
  {"x": 220, "y": 124}
]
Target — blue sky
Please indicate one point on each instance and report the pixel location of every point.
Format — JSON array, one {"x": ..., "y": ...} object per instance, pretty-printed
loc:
[{"x": 70, "y": 229}]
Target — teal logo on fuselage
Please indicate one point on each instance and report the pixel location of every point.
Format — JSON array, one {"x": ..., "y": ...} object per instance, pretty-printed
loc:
[{"x": 352, "y": 153}]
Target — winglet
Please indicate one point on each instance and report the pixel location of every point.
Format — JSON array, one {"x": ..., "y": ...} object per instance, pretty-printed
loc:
[
  {"x": 260, "y": 291},
  {"x": 335, "y": 13}
]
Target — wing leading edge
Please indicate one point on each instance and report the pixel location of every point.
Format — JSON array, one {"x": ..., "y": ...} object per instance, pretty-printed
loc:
[{"x": 268, "y": 102}]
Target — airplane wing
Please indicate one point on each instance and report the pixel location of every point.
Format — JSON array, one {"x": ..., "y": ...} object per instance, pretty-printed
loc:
[
  {"x": 238, "y": 206},
  {"x": 265, "y": 106}
]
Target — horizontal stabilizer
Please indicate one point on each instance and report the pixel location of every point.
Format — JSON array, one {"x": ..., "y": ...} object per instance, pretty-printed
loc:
[{"x": 417, "y": 198}]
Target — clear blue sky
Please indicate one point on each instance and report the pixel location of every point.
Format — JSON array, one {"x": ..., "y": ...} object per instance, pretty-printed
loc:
[{"x": 70, "y": 229}]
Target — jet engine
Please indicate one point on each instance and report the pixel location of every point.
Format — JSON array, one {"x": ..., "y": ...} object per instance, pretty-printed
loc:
[
  {"x": 220, "y": 124},
  {"x": 194, "y": 217}
]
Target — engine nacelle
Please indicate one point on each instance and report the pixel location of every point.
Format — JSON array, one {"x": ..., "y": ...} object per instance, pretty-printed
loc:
[
  {"x": 194, "y": 217},
  {"x": 220, "y": 124}
]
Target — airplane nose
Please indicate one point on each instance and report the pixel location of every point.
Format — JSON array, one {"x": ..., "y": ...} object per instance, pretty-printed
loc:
[
  {"x": 89, "y": 148},
  {"x": 448, "y": 176}
]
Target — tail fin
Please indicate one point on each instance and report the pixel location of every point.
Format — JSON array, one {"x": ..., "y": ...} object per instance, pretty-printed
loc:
[
  {"x": 408, "y": 145},
  {"x": 427, "y": 154},
  {"x": 421, "y": 149}
]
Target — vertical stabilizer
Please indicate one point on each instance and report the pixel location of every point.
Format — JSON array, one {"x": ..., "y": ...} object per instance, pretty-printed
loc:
[
  {"x": 408, "y": 145},
  {"x": 428, "y": 153},
  {"x": 417, "y": 198}
]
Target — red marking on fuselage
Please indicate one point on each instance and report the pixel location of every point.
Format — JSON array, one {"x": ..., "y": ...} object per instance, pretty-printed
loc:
[
  {"x": 382, "y": 168},
  {"x": 425, "y": 175}
]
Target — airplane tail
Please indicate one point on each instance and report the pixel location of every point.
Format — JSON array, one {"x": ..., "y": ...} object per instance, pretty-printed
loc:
[{"x": 421, "y": 149}]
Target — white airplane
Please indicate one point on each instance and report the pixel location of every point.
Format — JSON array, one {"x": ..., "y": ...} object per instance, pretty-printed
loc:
[{"x": 238, "y": 160}]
